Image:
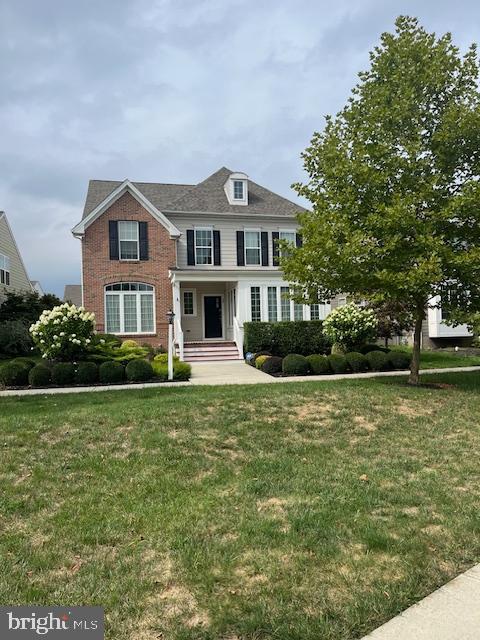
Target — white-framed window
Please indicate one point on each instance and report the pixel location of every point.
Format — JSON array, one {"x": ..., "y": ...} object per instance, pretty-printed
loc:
[
  {"x": 290, "y": 236},
  {"x": 297, "y": 311},
  {"x": 314, "y": 312},
  {"x": 255, "y": 304},
  {"x": 204, "y": 246},
  {"x": 129, "y": 308},
  {"x": 128, "y": 240},
  {"x": 252, "y": 246},
  {"x": 285, "y": 303},
  {"x": 189, "y": 302},
  {"x": 4, "y": 269},
  {"x": 272, "y": 304},
  {"x": 238, "y": 190}
]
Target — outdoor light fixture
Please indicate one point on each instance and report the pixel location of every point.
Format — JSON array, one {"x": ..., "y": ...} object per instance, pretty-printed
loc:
[{"x": 170, "y": 316}]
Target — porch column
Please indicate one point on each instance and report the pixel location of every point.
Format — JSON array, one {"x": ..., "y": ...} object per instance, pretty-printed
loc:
[{"x": 177, "y": 309}]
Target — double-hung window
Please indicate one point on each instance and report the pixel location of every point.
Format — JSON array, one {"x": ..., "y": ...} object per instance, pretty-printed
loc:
[
  {"x": 238, "y": 191},
  {"x": 4, "y": 269},
  {"x": 252, "y": 247},
  {"x": 290, "y": 237},
  {"x": 128, "y": 240},
  {"x": 129, "y": 308},
  {"x": 203, "y": 246}
]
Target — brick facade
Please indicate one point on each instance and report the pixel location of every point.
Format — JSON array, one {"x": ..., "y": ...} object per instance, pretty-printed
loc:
[{"x": 99, "y": 270}]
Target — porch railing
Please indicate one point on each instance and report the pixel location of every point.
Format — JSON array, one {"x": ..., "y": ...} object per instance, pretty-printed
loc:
[{"x": 238, "y": 336}]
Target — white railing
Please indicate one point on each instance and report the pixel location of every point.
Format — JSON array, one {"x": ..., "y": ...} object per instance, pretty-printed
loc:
[
  {"x": 238, "y": 336},
  {"x": 178, "y": 337}
]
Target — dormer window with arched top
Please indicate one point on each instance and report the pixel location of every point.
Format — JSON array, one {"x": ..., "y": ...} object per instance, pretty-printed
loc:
[{"x": 236, "y": 189}]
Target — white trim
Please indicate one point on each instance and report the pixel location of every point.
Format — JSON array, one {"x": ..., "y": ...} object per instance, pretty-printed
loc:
[
  {"x": 229, "y": 188},
  {"x": 203, "y": 228},
  {"x": 194, "y": 292},
  {"x": 138, "y": 309},
  {"x": 252, "y": 230},
  {"x": 126, "y": 186},
  {"x": 213, "y": 295},
  {"x": 119, "y": 222}
]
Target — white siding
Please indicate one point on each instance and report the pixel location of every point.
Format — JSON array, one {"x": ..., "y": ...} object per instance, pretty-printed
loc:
[{"x": 19, "y": 280}]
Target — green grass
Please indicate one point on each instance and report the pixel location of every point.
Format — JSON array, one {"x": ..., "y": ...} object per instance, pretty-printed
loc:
[
  {"x": 441, "y": 358},
  {"x": 287, "y": 512}
]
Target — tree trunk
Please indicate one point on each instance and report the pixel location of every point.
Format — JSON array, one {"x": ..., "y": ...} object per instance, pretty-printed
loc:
[{"x": 414, "y": 377}]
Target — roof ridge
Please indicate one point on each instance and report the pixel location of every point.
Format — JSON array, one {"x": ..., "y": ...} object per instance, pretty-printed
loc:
[{"x": 173, "y": 184}]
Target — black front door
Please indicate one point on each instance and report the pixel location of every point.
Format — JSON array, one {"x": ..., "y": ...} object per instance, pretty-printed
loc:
[{"x": 212, "y": 308}]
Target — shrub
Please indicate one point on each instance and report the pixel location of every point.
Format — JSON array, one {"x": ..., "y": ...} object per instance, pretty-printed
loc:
[
  {"x": 259, "y": 354},
  {"x": 258, "y": 336},
  {"x": 272, "y": 365},
  {"x": 356, "y": 361},
  {"x": 65, "y": 332},
  {"x": 163, "y": 358},
  {"x": 110, "y": 351},
  {"x": 139, "y": 371},
  {"x": 26, "y": 362},
  {"x": 294, "y": 364},
  {"x": 318, "y": 363},
  {"x": 129, "y": 344},
  {"x": 26, "y": 306},
  {"x": 338, "y": 363},
  {"x": 150, "y": 350},
  {"x": 181, "y": 370},
  {"x": 350, "y": 326},
  {"x": 86, "y": 373},
  {"x": 261, "y": 360},
  {"x": 13, "y": 374},
  {"x": 15, "y": 339},
  {"x": 39, "y": 376},
  {"x": 63, "y": 373},
  {"x": 399, "y": 359},
  {"x": 111, "y": 372},
  {"x": 282, "y": 338},
  {"x": 366, "y": 348},
  {"x": 378, "y": 360},
  {"x": 108, "y": 338}
]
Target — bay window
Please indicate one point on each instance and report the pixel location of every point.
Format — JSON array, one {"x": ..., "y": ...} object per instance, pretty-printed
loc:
[{"x": 129, "y": 308}]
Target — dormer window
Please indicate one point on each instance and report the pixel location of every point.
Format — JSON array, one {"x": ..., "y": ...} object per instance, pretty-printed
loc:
[{"x": 236, "y": 189}]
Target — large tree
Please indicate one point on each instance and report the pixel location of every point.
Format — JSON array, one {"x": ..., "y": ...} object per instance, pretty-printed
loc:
[{"x": 394, "y": 183}]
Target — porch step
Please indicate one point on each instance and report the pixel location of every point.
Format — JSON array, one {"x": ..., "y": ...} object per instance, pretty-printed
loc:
[{"x": 209, "y": 351}]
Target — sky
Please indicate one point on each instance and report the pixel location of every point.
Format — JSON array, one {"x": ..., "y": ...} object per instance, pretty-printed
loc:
[{"x": 170, "y": 91}]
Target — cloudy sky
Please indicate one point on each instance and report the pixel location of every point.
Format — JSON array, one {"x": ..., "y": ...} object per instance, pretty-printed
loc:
[{"x": 169, "y": 91}]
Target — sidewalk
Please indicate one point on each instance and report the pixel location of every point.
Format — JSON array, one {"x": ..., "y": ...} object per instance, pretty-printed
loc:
[{"x": 450, "y": 613}]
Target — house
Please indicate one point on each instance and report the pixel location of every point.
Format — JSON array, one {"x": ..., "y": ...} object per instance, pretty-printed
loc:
[
  {"x": 208, "y": 251},
  {"x": 37, "y": 287},
  {"x": 73, "y": 294},
  {"x": 13, "y": 274}
]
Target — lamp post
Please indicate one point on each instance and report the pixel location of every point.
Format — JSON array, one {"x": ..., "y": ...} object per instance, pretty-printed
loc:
[{"x": 170, "y": 318}]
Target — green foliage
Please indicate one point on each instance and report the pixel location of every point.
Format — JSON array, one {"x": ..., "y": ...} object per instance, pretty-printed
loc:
[
  {"x": 272, "y": 365},
  {"x": 393, "y": 318},
  {"x": 26, "y": 307},
  {"x": 338, "y": 363},
  {"x": 39, "y": 376},
  {"x": 319, "y": 363},
  {"x": 86, "y": 373},
  {"x": 356, "y": 361},
  {"x": 139, "y": 371},
  {"x": 26, "y": 362},
  {"x": 378, "y": 361},
  {"x": 399, "y": 359},
  {"x": 111, "y": 372},
  {"x": 108, "y": 338},
  {"x": 163, "y": 358},
  {"x": 394, "y": 183},
  {"x": 294, "y": 364},
  {"x": 282, "y": 338},
  {"x": 64, "y": 332},
  {"x": 260, "y": 360},
  {"x": 63, "y": 373},
  {"x": 15, "y": 338},
  {"x": 366, "y": 348},
  {"x": 181, "y": 370},
  {"x": 105, "y": 350},
  {"x": 350, "y": 326},
  {"x": 13, "y": 374}
]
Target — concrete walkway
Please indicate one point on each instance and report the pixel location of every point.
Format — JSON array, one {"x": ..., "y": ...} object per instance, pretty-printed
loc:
[
  {"x": 450, "y": 613},
  {"x": 226, "y": 373}
]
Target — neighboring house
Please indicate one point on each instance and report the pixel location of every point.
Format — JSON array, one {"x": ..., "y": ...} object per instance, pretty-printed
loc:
[
  {"x": 208, "y": 251},
  {"x": 436, "y": 333},
  {"x": 73, "y": 294},
  {"x": 36, "y": 286},
  {"x": 13, "y": 274}
]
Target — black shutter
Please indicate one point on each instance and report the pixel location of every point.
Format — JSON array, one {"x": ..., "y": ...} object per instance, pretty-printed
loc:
[
  {"x": 113, "y": 239},
  {"x": 143, "y": 240},
  {"x": 240, "y": 249},
  {"x": 216, "y": 248},
  {"x": 275, "y": 249},
  {"x": 190, "y": 247},
  {"x": 264, "y": 236},
  {"x": 299, "y": 241}
]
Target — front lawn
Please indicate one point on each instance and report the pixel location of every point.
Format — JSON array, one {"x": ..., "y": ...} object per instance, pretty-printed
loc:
[
  {"x": 443, "y": 358},
  {"x": 294, "y": 512}
]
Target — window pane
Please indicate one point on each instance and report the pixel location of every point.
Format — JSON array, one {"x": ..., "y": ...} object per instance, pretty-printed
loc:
[
  {"x": 128, "y": 250},
  {"x": 128, "y": 230},
  {"x": 255, "y": 303},
  {"x": 130, "y": 313},
  {"x": 252, "y": 256},
  {"x": 238, "y": 189},
  {"x": 188, "y": 303},
  {"x": 204, "y": 256},
  {"x": 289, "y": 236},
  {"x": 297, "y": 311},
  {"x": 146, "y": 312},
  {"x": 285, "y": 303},
  {"x": 315, "y": 312},
  {"x": 204, "y": 237},
  {"x": 272, "y": 304},
  {"x": 113, "y": 314},
  {"x": 252, "y": 239}
]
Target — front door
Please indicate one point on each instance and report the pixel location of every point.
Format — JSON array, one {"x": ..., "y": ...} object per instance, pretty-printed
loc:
[{"x": 212, "y": 309}]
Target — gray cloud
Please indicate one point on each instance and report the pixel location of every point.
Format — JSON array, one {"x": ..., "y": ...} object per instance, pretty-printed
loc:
[{"x": 170, "y": 90}]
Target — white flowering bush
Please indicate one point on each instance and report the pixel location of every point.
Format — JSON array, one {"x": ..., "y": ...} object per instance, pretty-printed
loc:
[
  {"x": 350, "y": 326},
  {"x": 64, "y": 332}
]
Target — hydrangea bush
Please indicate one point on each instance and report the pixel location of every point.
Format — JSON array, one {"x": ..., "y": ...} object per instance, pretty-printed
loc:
[
  {"x": 63, "y": 333},
  {"x": 350, "y": 326}
]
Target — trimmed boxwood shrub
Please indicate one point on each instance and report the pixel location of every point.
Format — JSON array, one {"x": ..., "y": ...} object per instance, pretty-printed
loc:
[
  {"x": 139, "y": 371},
  {"x": 86, "y": 373},
  {"x": 272, "y": 365},
  {"x": 39, "y": 376},
  {"x": 13, "y": 374},
  {"x": 338, "y": 363},
  {"x": 399, "y": 359},
  {"x": 182, "y": 371},
  {"x": 26, "y": 362},
  {"x": 111, "y": 372},
  {"x": 378, "y": 360},
  {"x": 295, "y": 365},
  {"x": 63, "y": 373},
  {"x": 356, "y": 361},
  {"x": 281, "y": 338},
  {"x": 259, "y": 354},
  {"x": 259, "y": 361},
  {"x": 373, "y": 347},
  {"x": 318, "y": 363}
]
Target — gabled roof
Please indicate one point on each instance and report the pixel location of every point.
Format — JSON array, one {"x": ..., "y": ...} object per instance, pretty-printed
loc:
[{"x": 73, "y": 293}]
